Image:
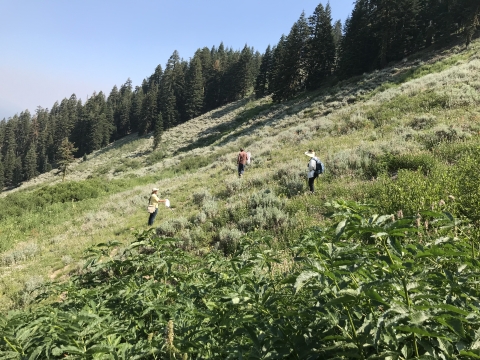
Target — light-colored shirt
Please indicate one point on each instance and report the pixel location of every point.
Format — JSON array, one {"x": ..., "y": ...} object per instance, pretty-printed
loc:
[
  {"x": 312, "y": 166},
  {"x": 154, "y": 200}
]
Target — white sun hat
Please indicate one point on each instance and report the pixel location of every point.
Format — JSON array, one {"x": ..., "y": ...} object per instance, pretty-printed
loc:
[{"x": 310, "y": 153}]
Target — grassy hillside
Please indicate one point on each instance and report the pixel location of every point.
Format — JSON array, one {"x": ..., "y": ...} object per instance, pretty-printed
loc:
[{"x": 403, "y": 140}]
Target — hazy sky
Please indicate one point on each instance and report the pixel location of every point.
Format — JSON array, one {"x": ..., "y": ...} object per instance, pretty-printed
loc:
[{"x": 51, "y": 49}]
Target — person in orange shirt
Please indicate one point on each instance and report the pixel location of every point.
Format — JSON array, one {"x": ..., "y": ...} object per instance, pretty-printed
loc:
[{"x": 241, "y": 161}]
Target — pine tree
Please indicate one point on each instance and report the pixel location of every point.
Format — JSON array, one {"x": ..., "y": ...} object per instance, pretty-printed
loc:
[
  {"x": 123, "y": 126},
  {"x": 261, "y": 84},
  {"x": 136, "y": 108},
  {"x": 113, "y": 102},
  {"x": 337, "y": 40},
  {"x": 293, "y": 68},
  {"x": 194, "y": 88},
  {"x": 9, "y": 149},
  {"x": 167, "y": 92},
  {"x": 157, "y": 131},
  {"x": 321, "y": 46},
  {"x": 149, "y": 111},
  {"x": 275, "y": 75},
  {"x": 65, "y": 156},
  {"x": 2, "y": 178},
  {"x": 244, "y": 73},
  {"x": 17, "y": 177},
  {"x": 359, "y": 53},
  {"x": 30, "y": 164},
  {"x": 213, "y": 87},
  {"x": 470, "y": 11}
]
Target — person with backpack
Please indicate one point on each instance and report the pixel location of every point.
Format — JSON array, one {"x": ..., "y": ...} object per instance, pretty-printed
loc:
[
  {"x": 315, "y": 168},
  {"x": 153, "y": 205},
  {"x": 241, "y": 161}
]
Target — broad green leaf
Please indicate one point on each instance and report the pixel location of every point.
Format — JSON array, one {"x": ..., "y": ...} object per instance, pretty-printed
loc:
[
  {"x": 419, "y": 317},
  {"x": 340, "y": 228},
  {"x": 302, "y": 279},
  {"x": 454, "y": 324},
  {"x": 418, "y": 330},
  {"x": 345, "y": 299},
  {"x": 373, "y": 295},
  {"x": 469, "y": 354},
  {"x": 452, "y": 308}
]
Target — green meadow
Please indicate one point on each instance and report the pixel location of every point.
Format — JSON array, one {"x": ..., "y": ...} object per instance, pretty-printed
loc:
[{"x": 381, "y": 262}]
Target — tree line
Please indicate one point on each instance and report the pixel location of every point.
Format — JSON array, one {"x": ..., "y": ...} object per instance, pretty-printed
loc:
[
  {"x": 315, "y": 51},
  {"x": 376, "y": 33}
]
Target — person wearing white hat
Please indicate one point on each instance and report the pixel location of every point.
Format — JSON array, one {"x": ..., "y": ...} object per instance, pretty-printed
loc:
[
  {"x": 312, "y": 166},
  {"x": 153, "y": 202}
]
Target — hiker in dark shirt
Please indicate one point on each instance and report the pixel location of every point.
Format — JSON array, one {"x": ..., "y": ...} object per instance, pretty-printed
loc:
[{"x": 241, "y": 161}]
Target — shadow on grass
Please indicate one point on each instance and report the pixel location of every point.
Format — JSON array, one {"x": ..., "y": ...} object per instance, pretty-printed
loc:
[{"x": 212, "y": 135}]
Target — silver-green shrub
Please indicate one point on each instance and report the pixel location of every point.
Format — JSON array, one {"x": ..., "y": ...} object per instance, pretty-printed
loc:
[
  {"x": 200, "y": 196},
  {"x": 233, "y": 186},
  {"x": 229, "y": 238},
  {"x": 210, "y": 208},
  {"x": 166, "y": 229},
  {"x": 201, "y": 217},
  {"x": 264, "y": 199}
]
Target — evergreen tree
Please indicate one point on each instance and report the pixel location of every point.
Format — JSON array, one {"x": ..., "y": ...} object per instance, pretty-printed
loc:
[
  {"x": 30, "y": 164},
  {"x": 149, "y": 111},
  {"x": 17, "y": 177},
  {"x": 261, "y": 84},
  {"x": 321, "y": 46},
  {"x": 65, "y": 156},
  {"x": 113, "y": 116},
  {"x": 245, "y": 73},
  {"x": 358, "y": 52},
  {"x": 470, "y": 11},
  {"x": 293, "y": 68},
  {"x": 194, "y": 87},
  {"x": 213, "y": 87},
  {"x": 98, "y": 128},
  {"x": 179, "y": 89},
  {"x": 136, "y": 108},
  {"x": 337, "y": 40},
  {"x": 157, "y": 131},
  {"x": 169, "y": 87},
  {"x": 156, "y": 77},
  {"x": 2, "y": 178},
  {"x": 9, "y": 149},
  {"x": 122, "y": 125},
  {"x": 275, "y": 75},
  {"x": 22, "y": 133}
]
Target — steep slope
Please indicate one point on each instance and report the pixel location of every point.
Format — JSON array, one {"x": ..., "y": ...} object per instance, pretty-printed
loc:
[{"x": 402, "y": 110}]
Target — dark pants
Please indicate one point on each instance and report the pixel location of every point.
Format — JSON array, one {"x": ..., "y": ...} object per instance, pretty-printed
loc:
[
  {"x": 311, "y": 183},
  {"x": 152, "y": 216},
  {"x": 241, "y": 169}
]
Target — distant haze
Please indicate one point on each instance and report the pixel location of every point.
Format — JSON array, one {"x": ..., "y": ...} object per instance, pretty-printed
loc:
[{"x": 52, "y": 49}]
